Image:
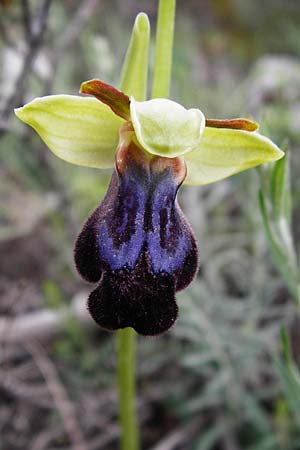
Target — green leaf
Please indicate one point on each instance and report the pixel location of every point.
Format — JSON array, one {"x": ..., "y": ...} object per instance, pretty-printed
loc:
[
  {"x": 135, "y": 69},
  {"x": 224, "y": 152},
  {"x": 267, "y": 442},
  {"x": 280, "y": 189},
  {"x": 286, "y": 345},
  {"x": 209, "y": 438},
  {"x": 79, "y": 130},
  {"x": 290, "y": 379},
  {"x": 284, "y": 264},
  {"x": 165, "y": 128}
]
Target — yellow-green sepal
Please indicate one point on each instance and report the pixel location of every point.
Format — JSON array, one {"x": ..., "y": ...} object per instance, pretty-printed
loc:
[
  {"x": 79, "y": 130},
  {"x": 165, "y": 128},
  {"x": 224, "y": 152}
]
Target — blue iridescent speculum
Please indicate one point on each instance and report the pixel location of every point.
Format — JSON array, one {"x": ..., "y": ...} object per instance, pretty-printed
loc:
[{"x": 137, "y": 244}]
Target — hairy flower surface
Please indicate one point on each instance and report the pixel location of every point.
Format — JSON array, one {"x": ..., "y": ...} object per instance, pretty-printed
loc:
[{"x": 137, "y": 245}]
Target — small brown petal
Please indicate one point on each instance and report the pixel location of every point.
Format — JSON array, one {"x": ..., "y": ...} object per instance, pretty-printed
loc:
[
  {"x": 115, "y": 99},
  {"x": 237, "y": 124}
]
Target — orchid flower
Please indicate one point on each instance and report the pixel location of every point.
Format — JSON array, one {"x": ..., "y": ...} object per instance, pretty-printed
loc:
[{"x": 137, "y": 245}]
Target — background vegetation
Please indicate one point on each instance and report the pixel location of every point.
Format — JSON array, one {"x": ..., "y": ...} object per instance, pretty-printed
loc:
[{"x": 226, "y": 377}]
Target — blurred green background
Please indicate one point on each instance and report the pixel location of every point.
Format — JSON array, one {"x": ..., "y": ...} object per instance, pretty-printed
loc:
[{"x": 223, "y": 378}]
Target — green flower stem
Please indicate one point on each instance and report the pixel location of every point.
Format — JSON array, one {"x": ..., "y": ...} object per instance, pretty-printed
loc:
[
  {"x": 133, "y": 82},
  {"x": 126, "y": 385},
  {"x": 164, "y": 49}
]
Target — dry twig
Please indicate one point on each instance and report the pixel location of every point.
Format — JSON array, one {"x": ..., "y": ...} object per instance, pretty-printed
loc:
[
  {"x": 43, "y": 324},
  {"x": 34, "y": 43},
  {"x": 178, "y": 437},
  {"x": 60, "y": 397}
]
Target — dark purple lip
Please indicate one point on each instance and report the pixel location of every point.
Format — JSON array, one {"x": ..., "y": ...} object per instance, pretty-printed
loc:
[{"x": 138, "y": 245}]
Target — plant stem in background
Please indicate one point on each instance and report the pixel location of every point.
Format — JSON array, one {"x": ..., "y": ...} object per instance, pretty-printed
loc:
[
  {"x": 164, "y": 49},
  {"x": 126, "y": 385},
  {"x": 275, "y": 200}
]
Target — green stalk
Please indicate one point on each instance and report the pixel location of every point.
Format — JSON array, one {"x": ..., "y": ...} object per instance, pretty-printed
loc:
[
  {"x": 133, "y": 82},
  {"x": 126, "y": 385},
  {"x": 163, "y": 49}
]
